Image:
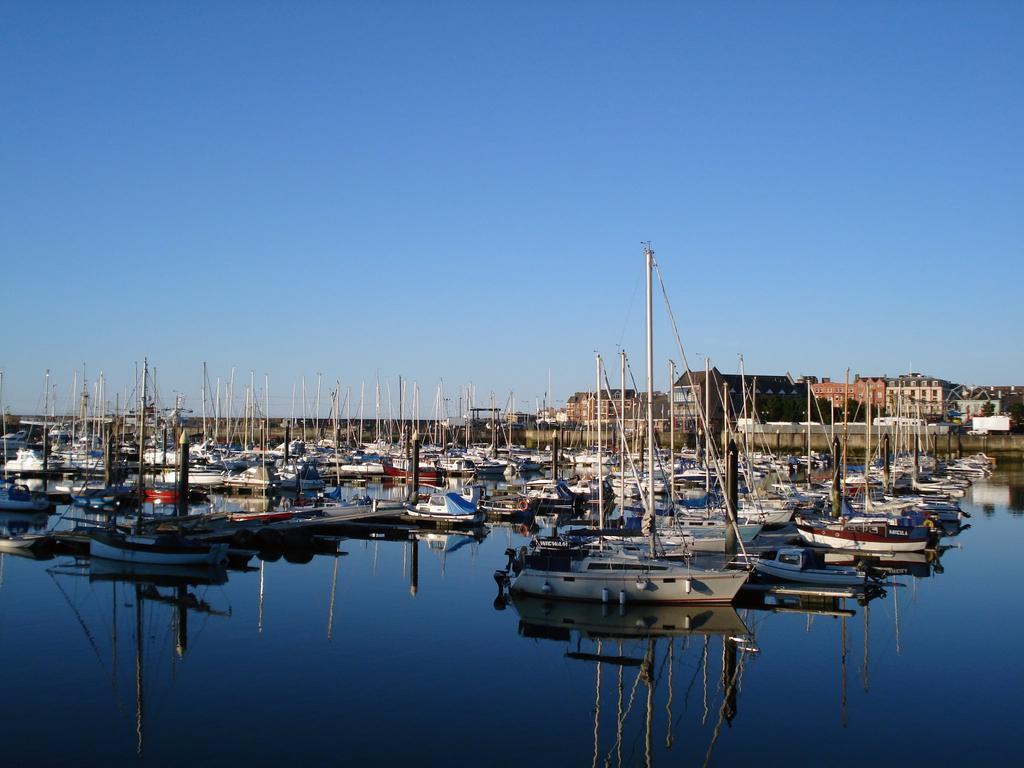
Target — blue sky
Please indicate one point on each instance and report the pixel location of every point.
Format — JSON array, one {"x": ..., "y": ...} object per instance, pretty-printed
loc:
[{"x": 458, "y": 191}]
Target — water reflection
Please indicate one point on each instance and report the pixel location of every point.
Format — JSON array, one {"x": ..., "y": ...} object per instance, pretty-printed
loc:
[
  {"x": 159, "y": 599},
  {"x": 644, "y": 685},
  {"x": 654, "y": 643},
  {"x": 19, "y": 523}
]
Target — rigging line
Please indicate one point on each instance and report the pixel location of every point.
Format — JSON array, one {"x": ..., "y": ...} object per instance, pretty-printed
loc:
[
  {"x": 625, "y": 714},
  {"x": 81, "y": 621},
  {"x": 629, "y": 455},
  {"x": 686, "y": 366},
  {"x": 629, "y": 310},
  {"x": 721, "y": 710},
  {"x": 686, "y": 696},
  {"x": 657, "y": 454}
]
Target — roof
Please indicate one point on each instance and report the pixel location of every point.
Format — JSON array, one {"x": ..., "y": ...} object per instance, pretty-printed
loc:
[{"x": 771, "y": 384}]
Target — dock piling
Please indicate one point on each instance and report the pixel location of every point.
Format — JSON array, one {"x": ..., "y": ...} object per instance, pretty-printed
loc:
[
  {"x": 731, "y": 496},
  {"x": 183, "y": 474},
  {"x": 837, "y": 454}
]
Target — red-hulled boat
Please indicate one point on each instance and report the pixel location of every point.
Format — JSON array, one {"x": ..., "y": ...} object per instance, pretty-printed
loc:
[
  {"x": 871, "y": 535},
  {"x": 162, "y": 494},
  {"x": 403, "y": 468},
  {"x": 271, "y": 516}
]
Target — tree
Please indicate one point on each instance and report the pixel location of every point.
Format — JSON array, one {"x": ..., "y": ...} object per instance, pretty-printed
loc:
[
  {"x": 1016, "y": 412},
  {"x": 988, "y": 409}
]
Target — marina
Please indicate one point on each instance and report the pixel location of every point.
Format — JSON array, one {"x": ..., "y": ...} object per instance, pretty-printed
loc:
[
  {"x": 632, "y": 564},
  {"x": 342, "y": 629},
  {"x": 525, "y": 384}
]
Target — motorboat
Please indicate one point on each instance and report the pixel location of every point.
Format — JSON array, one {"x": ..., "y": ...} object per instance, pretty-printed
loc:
[
  {"x": 551, "y": 495},
  {"x": 259, "y": 477},
  {"x": 805, "y": 565},
  {"x": 512, "y": 506},
  {"x": 451, "y": 507},
  {"x": 31, "y": 460},
  {"x": 14, "y": 498}
]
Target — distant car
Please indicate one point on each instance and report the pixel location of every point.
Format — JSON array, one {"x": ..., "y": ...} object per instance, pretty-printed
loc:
[{"x": 977, "y": 432}]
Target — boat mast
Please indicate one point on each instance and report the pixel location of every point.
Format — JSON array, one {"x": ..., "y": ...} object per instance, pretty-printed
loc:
[
  {"x": 362, "y": 396},
  {"x": 142, "y": 441},
  {"x": 3, "y": 415},
  {"x": 622, "y": 420},
  {"x": 747, "y": 425},
  {"x": 846, "y": 423},
  {"x": 707, "y": 426},
  {"x": 649, "y": 258},
  {"x": 216, "y": 413},
  {"x": 71, "y": 404},
  {"x": 46, "y": 408},
  {"x": 317, "y": 422},
  {"x": 671, "y": 431},
  {"x": 600, "y": 451},
  {"x": 204, "y": 403},
  {"x": 867, "y": 459},
  {"x": 807, "y": 385}
]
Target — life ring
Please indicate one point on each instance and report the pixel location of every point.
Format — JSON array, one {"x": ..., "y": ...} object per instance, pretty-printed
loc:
[
  {"x": 523, "y": 505},
  {"x": 929, "y": 523}
]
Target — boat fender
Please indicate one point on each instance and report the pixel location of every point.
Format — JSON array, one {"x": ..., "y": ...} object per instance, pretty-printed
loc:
[
  {"x": 520, "y": 561},
  {"x": 546, "y": 589}
]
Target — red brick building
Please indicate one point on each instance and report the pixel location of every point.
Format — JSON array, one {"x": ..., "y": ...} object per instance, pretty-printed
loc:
[{"x": 859, "y": 390}]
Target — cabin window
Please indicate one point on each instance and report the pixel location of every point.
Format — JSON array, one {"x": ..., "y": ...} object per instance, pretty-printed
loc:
[{"x": 789, "y": 559}]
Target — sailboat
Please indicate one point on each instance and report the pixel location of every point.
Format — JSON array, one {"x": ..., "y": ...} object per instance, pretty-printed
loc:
[
  {"x": 152, "y": 549},
  {"x": 592, "y": 568}
]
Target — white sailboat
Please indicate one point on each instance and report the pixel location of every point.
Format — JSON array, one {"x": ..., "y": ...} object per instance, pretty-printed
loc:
[{"x": 603, "y": 571}]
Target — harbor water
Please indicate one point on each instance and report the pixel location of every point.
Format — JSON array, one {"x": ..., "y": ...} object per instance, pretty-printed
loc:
[{"x": 380, "y": 652}]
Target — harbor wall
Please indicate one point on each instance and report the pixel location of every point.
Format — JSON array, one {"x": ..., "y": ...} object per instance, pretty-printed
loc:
[
  {"x": 792, "y": 439},
  {"x": 778, "y": 438}
]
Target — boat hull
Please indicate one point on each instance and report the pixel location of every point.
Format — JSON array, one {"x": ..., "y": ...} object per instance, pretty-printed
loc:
[
  {"x": 142, "y": 549},
  {"x": 858, "y": 540},
  {"x": 425, "y": 475},
  {"x": 839, "y": 579},
  {"x": 632, "y": 587},
  {"x": 22, "y": 543}
]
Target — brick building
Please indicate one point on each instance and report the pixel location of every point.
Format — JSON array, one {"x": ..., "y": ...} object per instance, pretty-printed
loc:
[
  {"x": 690, "y": 392},
  {"x": 858, "y": 390}
]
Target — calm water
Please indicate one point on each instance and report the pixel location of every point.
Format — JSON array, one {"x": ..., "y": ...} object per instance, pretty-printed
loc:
[{"x": 339, "y": 659}]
